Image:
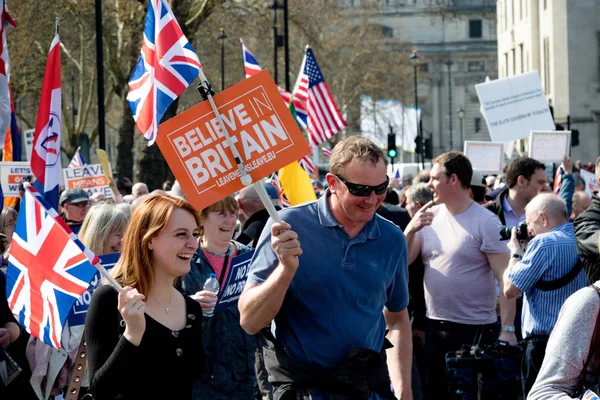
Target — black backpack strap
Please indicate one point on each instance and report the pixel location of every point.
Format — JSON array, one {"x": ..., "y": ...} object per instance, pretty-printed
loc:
[{"x": 547, "y": 286}]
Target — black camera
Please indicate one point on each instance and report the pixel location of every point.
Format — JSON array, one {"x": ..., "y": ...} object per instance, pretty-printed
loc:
[{"x": 522, "y": 232}]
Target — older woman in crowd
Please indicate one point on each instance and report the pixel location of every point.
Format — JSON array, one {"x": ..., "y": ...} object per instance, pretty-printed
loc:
[
  {"x": 230, "y": 371},
  {"x": 145, "y": 340}
]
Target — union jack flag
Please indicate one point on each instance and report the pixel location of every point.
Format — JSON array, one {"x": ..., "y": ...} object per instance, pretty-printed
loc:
[
  {"x": 48, "y": 269},
  {"x": 324, "y": 118},
  {"x": 167, "y": 66},
  {"x": 398, "y": 177},
  {"x": 252, "y": 67},
  {"x": 307, "y": 164},
  {"x": 327, "y": 151},
  {"x": 77, "y": 161},
  {"x": 275, "y": 182},
  {"x": 589, "y": 395},
  {"x": 558, "y": 179}
]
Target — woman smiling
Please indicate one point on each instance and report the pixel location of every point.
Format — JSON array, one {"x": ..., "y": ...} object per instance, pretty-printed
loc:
[
  {"x": 145, "y": 341},
  {"x": 230, "y": 372}
]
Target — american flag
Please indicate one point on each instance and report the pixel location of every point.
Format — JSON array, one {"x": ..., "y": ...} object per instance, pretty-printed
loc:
[
  {"x": 307, "y": 164},
  {"x": 77, "y": 160},
  {"x": 275, "y": 182},
  {"x": 558, "y": 179},
  {"x": 327, "y": 151},
  {"x": 167, "y": 66},
  {"x": 48, "y": 269},
  {"x": 252, "y": 67},
  {"x": 324, "y": 118}
]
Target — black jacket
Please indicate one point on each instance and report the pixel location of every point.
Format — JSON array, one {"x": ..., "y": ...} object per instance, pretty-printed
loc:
[
  {"x": 253, "y": 227},
  {"x": 497, "y": 207},
  {"x": 587, "y": 226}
]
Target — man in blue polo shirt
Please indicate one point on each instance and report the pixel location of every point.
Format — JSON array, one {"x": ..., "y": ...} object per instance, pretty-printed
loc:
[
  {"x": 331, "y": 299},
  {"x": 547, "y": 273}
]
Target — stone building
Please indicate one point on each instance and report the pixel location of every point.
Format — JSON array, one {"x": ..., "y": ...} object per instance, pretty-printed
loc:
[
  {"x": 561, "y": 40},
  {"x": 457, "y": 49}
]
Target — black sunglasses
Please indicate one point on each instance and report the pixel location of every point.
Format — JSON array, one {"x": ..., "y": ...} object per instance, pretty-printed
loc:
[{"x": 364, "y": 190}]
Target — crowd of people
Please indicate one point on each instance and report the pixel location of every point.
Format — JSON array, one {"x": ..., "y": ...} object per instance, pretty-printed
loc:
[{"x": 369, "y": 292}]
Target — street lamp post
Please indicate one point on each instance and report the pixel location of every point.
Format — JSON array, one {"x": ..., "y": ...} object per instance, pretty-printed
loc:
[
  {"x": 461, "y": 116},
  {"x": 277, "y": 39},
  {"x": 222, "y": 36},
  {"x": 414, "y": 57},
  {"x": 449, "y": 65}
]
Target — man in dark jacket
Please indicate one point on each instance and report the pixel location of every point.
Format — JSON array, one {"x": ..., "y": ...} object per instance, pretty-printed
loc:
[
  {"x": 253, "y": 214},
  {"x": 525, "y": 178},
  {"x": 587, "y": 226}
]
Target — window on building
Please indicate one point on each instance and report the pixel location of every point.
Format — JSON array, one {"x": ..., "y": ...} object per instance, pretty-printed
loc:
[
  {"x": 545, "y": 4},
  {"x": 526, "y": 5},
  {"x": 505, "y": 65},
  {"x": 547, "y": 65},
  {"x": 520, "y": 9},
  {"x": 514, "y": 61},
  {"x": 521, "y": 59},
  {"x": 477, "y": 125},
  {"x": 512, "y": 12},
  {"x": 475, "y": 28},
  {"x": 506, "y": 15},
  {"x": 476, "y": 66}
]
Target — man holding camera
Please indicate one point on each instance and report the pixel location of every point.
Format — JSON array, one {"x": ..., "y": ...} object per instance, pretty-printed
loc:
[
  {"x": 547, "y": 272},
  {"x": 459, "y": 242}
]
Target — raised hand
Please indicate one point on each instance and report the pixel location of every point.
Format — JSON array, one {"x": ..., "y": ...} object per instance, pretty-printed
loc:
[
  {"x": 132, "y": 307},
  {"x": 207, "y": 300},
  {"x": 422, "y": 218},
  {"x": 286, "y": 245}
]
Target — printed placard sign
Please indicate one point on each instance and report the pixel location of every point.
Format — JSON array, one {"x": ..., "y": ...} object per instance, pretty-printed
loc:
[
  {"x": 79, "y": 310},
  {"x": 11, "y": 174},
  {"x": 514, "y": 106},
  {"x": 260, "y": 126},
  {"x": 234, "y": 282},
  {"x": 549, "y": 146},
  {"x": 90, "y": 178},
  {"x": 487, "y": 157},
  {"x": 591, "y": 183}
]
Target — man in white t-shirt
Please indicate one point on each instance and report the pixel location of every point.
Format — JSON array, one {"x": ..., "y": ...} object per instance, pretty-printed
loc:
[{"x": 459, "y": 242}]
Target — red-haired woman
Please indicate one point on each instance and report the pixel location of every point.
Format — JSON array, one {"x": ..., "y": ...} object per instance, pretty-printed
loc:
[{"x": 144, "y": 342}]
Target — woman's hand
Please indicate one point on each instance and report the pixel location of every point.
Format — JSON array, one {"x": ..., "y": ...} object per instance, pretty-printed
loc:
[
  {"x": 207, "y": 300},
  {"x": 132, "y": 307}
]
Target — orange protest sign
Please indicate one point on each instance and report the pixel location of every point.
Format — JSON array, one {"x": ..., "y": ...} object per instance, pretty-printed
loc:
[{"x": 260, "y": 126}]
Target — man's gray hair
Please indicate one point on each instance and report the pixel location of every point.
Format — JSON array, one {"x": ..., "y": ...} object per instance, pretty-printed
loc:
[
  {"x": 549, "y": 203},
  {"x": 419, "y": 193}
]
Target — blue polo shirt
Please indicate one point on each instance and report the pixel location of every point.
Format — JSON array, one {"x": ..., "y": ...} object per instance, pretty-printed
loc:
[
  {"x": 336, "y": 299},
  {"x": 548, "y": 256}
]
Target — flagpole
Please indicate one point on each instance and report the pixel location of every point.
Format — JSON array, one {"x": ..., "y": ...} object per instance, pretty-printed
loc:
[
  {"x": 109, "y": 277},
  {"x": 207, "y": 93},
  {"x": 56, "y": 25}
]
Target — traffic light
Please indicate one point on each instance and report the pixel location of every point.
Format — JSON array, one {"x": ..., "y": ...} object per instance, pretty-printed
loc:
[
  {"x": 428, "y": 149},
  {"x": 418, "y": 144},
  {"x": 574, "y": 137},
  {"x": 392, "y": 152}
]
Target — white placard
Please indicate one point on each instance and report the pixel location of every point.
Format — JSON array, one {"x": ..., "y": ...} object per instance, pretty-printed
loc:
[
  {"x": 28, "y": 142},
  {"x": 549, "y": 146},
  {"x": 10, "y": 176},
  {"x": 89, "y": 177},
  {"x": 514, "y": 106},
  {"x": 591, "y": 184},
  {"x": 487, "y": 157}
]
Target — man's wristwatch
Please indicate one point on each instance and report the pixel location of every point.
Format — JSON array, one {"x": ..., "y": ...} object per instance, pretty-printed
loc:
[
  {"x": 517, "y": 256},
  {"x": 508, "y": 328}
]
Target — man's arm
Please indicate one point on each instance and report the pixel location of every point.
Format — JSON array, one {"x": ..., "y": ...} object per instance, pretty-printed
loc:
[
  {"x": 422, "y": 218},
  {"x": 399, "y": 357},
  {"x": 498, "y": 263},
  {"x": 259, "y": 304},
  {"x": 510, "y": 290}
]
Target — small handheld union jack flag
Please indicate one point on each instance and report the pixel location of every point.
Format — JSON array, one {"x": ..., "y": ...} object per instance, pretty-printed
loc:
[
  {"x": 77, "y": 160},
  {"x": 327, "y": 151},
  {"x": 48, "y": 269},
  {"x": 167, "y": 66},
  {"x": 307, "y": 164}
]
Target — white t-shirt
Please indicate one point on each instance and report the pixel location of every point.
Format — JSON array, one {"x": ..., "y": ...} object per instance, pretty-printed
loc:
[{"x": 459, "y": 282}]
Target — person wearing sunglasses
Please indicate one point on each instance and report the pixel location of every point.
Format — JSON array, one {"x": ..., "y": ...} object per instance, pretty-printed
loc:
[
  {"x": 332, "y": 277},
  {"x": 74, "y": 204},
  {"x": 459, "y": 242}
]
